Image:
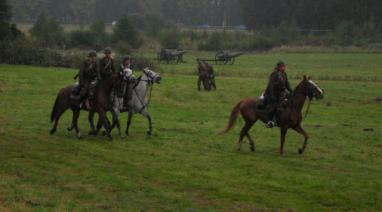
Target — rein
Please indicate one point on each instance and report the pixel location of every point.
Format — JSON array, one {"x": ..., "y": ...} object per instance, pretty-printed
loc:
[
  {"x": 307, "y": 109},
  {"x": 144, "y": 106}
]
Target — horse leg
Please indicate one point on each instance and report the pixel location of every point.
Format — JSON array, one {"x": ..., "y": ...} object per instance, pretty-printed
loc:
[
  {"x": 148, "y": 117},
  {"x": 91, "y": 122},
  {"x": 129, "y": 118},
  {"x": 251, "y": 142},
  {"x": 199, "y": 83},
  {"x": 306, "y": 136},
  {"x": 105, "y": 121},
  {"x": 76, "y": 115},
  {"x": 283, "y": 132},
  {"x": 243, "y": 133},
  {"x": 213, "y": 84},
  {"x": 116, "y": 122},
  {"x": 56, "y": 119}
]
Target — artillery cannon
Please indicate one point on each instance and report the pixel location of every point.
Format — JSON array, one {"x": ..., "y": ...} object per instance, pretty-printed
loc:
[
  {"x": 226, "y": 57},
  {"x": 169, "y": 55}
]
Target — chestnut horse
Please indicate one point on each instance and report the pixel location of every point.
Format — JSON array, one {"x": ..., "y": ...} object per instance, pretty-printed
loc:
[
  {"x": 290, "y": 117},
  {"x": 99, "y": 105}
]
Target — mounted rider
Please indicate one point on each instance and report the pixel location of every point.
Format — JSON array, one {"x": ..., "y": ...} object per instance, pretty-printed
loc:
[
  {"x": 88, "y": 78},
  {"x": 126, "y": 71},
  {"x": 276, "y": 94},
  {"x": 106, "y": 65}
]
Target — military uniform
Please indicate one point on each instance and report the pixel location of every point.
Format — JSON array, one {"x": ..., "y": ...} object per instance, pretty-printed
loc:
[
  {"x": 88, "y": 78},
  {"x": 276, "y": 92},
  {"x": 127, "y": 91},
  {"x": 106, "y": 68}
]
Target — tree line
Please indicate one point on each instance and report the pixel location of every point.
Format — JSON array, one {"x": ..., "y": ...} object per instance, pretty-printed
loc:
[
  {"x": 310, "y": 14},
  {"x": 189, "y": 12}
]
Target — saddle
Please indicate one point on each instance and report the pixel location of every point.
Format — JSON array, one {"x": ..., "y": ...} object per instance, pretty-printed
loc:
[
  {"x": 75, "y": 94},
  {"x": 264, "y": 107}
]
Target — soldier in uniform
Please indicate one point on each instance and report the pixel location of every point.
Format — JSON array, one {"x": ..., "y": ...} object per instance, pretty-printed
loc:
[
  {"x": 125, "y": 70},
  {"x": 106, "y": 65},
  {"x": 88, "y": 78},
  {"x": 276, "y": 93}
]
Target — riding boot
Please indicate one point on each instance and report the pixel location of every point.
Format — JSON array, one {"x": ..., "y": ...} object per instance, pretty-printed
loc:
[
  {"x": 271, "y": 120},
  {"x": 87, "y": 104}
]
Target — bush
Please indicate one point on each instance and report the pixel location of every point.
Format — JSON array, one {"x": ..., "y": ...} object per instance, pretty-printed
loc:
[
  {"x": 80, "y": 38},
  {"x": 122, "y": 47},
  {"x": 170, "y": 39},
  {"x": 214, "y": 42},
  {"x": 125, "y": 31},
  {"x": 47, "y": 32},
  {"x": 24, "y": 52}
]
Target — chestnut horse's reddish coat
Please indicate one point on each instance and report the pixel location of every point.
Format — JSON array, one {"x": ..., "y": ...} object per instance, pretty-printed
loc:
[{"x": 290, "y": 117}]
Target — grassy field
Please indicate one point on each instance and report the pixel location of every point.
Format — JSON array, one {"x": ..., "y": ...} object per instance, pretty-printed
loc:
[{"x": 185, "y": 165}]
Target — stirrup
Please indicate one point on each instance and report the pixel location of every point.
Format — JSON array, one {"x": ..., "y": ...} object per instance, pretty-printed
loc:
[{"x": 270, "y": 124}]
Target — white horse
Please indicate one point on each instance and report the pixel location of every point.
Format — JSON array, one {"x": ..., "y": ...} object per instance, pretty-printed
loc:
[{"x": 139, "y": 101}]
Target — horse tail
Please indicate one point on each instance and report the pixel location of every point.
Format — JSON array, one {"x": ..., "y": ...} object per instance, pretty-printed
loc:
[
  {"x": 232, "y": 119},
  {"x": 53, "y": 115}
]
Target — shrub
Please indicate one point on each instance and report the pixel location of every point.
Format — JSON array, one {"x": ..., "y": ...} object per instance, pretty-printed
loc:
[
  {"x": 214, "y": 42},
  {"x": 80, "y": 38},
  {"x": 125, "y": 31},
  {"x": 170, "y": 39},
  {"x": 47, "y": 32},
  {"x": 24, "y": 52}
]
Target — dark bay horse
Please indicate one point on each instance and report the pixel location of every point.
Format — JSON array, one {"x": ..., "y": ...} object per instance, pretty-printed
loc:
[
  {"x": 138, "y": 104},
  {"x": 206, "y": 75},
  {"x": 99, "y": 105},
  {"x": 290, "y": 117}
]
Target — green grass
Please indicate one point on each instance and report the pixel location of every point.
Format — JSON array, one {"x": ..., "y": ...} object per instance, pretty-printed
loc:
[
  {"x": 186, "y": 166},
  {"x": 321, "y": 66}
]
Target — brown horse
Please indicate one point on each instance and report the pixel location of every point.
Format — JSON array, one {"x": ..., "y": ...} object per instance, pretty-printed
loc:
[
  {"x": 100, "y": 104},
  {"x": 206, "y": 75},
  {"x": 290, "y": 117}
]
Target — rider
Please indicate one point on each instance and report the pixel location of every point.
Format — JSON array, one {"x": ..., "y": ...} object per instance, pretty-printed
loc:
[
  {"x": 106, "y": 65},
  {"x": 126, "y": 71},
  {"x": 276, "y": 93},
  {"x": 88, "y": 78}
]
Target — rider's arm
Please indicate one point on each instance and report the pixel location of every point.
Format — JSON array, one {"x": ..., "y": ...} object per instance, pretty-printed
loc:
[
  {"x": 287, "y": 84},
  {"x": 81, "y": 74},
  {"x": 113, "y": 67}
]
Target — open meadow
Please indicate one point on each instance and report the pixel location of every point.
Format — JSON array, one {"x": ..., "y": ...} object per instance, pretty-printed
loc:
[{"x": 185, "y": 165}]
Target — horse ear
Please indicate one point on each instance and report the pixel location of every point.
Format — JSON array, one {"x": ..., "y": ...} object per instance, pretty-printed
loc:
[{"x": 305, "y": 78}]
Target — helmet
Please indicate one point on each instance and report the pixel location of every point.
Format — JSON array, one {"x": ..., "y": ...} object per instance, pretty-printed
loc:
[
  {"x": 280, "y": 63},
  {"x": 92, "y": 54},
  {"x": 107, "y": 50},
  {"x": 126, "y": 57}
]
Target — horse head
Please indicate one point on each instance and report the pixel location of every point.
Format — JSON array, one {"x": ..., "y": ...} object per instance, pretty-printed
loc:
[
  {"x": 151, "y": 76},
  {"x": 312, "y": 89}
]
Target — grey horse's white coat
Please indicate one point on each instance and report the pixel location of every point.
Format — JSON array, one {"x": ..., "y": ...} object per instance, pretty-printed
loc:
[{"x": 139, "y": 100}]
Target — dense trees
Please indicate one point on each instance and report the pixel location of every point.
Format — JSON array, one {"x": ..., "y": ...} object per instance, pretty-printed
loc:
[
  {"x": 48, "y": 32},
  {"x": 190, "y": 12},
  {"x": 4, "y": 19},
  {"x": 310, "y": 14}
]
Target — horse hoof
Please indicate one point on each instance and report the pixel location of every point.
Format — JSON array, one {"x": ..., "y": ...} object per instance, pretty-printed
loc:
[
  {"x": 127, "y": 134},
  {"x": 104, "y": 133},
  {"x": 70, "y": 129},
  {"x": 300, "y": 151},
  {"x": 253, "y": 149},
  {"x": 79, "y": 137},
  {"x": 52, "y": 132},
  {"x": 149, "y": 133}
]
